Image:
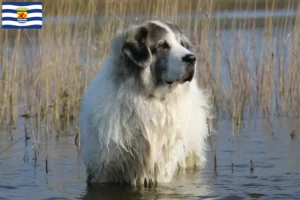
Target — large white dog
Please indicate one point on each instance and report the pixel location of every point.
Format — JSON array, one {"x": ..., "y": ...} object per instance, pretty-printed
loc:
[{"x": 143, "y": 116}]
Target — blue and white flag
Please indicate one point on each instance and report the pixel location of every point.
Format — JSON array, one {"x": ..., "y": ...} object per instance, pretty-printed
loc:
[{"x": 17, "y": 15}]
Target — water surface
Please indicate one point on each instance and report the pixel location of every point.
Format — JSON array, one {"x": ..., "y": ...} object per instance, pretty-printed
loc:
[{"x": 276, "y": 175}]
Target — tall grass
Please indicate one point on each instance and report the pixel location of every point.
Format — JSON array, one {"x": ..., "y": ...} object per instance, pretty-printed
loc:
[{"x": 251, "y": 66}]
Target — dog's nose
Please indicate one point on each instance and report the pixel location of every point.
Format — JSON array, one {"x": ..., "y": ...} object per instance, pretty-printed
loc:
[{"x": 189, "y": 58}]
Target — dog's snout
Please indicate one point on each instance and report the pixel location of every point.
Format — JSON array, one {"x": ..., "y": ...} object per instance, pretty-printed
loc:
[{"x": 189, "y": 58}]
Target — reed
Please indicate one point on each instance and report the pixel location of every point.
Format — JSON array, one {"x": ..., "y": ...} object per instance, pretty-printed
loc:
[{"x": 250, "y": 66}]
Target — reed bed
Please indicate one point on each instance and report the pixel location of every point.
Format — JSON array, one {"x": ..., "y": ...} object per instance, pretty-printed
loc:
[{"x": 251, "y": 66}]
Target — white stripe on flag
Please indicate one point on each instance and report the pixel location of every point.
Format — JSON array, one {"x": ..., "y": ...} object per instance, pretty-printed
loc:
[
  {"x": 14, "y": 15},
  {"x": 13, "y": 7},
  {"x": 13, "y": 23}
]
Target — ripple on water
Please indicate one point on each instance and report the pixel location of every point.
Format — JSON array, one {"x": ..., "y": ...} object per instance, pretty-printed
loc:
[
  {"x": 8, "y": 187},
  {"x": 267, "y": 166},
  {"x": 253, "y": 185},
  {"x": 256, "y": 195},
  {"x": 232, "y": 197}
]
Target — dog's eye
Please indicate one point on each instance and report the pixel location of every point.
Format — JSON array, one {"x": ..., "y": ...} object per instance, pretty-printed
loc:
[
  {"x": 182, "y": 43},
  {"x": 163, "y": 45}
]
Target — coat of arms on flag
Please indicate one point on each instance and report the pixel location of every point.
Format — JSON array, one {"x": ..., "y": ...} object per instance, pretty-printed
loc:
[{"x": 22, "y": 15}]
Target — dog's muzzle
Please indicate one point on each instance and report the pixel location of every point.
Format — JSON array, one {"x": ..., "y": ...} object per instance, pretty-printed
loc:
[{"x": 189, "y": 60}]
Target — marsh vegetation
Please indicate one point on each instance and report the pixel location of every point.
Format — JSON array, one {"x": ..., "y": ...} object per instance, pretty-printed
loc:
[{"x": 248, "y": 57}]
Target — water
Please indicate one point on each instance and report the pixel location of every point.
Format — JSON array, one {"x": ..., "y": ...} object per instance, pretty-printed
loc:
[
  {"x": 276, "y": 175},
  {"x": 276, "y": 158}
]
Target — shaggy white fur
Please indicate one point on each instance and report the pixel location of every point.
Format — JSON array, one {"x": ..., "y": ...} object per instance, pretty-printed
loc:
[{"x": 129, "y": 138}]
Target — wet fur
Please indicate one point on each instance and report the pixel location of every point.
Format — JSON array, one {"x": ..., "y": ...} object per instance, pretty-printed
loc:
[{"x": 136, "y": 130}]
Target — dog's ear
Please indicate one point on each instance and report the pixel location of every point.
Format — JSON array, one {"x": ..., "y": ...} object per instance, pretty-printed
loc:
[{"x": 136, "y": 48}]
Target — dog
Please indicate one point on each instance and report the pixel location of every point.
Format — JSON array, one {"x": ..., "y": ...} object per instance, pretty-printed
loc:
[{"x": 143, "y": 116}]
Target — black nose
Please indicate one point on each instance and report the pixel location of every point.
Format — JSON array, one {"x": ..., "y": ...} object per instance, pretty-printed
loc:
[{"x": 189, "y": 58}]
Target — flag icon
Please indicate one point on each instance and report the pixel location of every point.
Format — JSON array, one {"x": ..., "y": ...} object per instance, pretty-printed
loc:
[{"x": 17, "y": 15}]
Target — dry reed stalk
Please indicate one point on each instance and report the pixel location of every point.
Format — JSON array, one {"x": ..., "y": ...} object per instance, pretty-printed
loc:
[{"x": 50, "y": 79}]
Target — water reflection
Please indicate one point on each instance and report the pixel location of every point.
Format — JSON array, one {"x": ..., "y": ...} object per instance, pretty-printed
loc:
[
  {"x": 188, "y": 185},
  {"x": 275, "y": 155}
]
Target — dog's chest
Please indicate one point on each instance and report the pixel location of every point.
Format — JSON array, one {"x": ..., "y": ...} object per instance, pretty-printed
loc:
[{"x": 155, "y": 120}]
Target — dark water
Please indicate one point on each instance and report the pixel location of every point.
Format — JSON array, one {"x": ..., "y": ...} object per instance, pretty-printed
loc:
[{"x": 276, "y": 175}]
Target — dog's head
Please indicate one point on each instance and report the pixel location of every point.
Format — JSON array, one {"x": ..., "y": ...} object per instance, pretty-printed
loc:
[{"x": 160, "y": 48}]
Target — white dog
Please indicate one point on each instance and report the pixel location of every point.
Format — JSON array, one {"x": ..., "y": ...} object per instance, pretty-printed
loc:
[{"x": 143, "y": 116}]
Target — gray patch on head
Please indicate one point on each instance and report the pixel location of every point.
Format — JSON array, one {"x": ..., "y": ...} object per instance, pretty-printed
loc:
[
  {"x": 160, "y": 65},
  {"x": 176, "y": 30},
  {"x": 155, "y": 33},
  {"x": 179, "y": 34}
]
